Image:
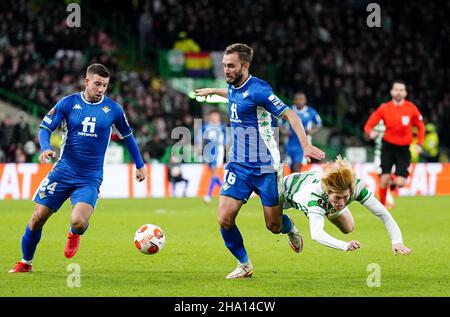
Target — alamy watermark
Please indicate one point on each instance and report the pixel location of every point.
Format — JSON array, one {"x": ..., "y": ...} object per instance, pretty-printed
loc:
[
  {"x": 239, "y": 144},
  {"x": 374, "y": 277},
  {"x": 374, "y": 18},
  {"x": 74, "y": 278},
  {"x": 73, "y": 20}
]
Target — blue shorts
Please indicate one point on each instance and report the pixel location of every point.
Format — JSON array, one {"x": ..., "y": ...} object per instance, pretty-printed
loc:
[
  {"x": 54, "y": 190},
  {"x": 295, "y": 153},
  {"x": 240, "y": 181}
]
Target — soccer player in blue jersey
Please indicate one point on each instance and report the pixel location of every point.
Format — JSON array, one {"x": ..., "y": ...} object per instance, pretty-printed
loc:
[
  {"x": 312, "y": 123},
  {"x": 212, "y": 137},
  {"x": 87, "y": 119},
  {"x": 254, "y": 163}
]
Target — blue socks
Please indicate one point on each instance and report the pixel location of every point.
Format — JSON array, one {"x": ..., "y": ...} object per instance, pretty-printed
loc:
[
  {"x": 215, "y": 180},
  {"x": 30, "y": 241},
  {"x": 75, "y": 231},
  {"x": 235, "y": 243},
  {"x": 287, "y": 224}
]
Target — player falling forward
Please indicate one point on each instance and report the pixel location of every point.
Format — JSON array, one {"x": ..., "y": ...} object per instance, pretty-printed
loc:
[
  {"x": 327, "y": 195},
  {"x": 87, "y": 119},
  {"x": 254, "y": 160}
]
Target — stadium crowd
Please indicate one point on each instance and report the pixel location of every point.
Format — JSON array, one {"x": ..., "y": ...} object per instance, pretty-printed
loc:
[{"x": 329, "y": 52}]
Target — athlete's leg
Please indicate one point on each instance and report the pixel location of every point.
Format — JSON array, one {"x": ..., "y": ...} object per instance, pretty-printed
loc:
[
  {"x": 273, "y": 216},
  {"x": 81, "y": 213},
  {"x": 79, "y": 222},
  {"x": 33, "y": 231},
  {"x": 400, "y": 181},
  {"x": 83, "y": 200},
  {"x": 343, "y": 220},
  {"x": 228, "y": 210},
  {"x": 31, "y": 238},
  {"x": 387, "y": 161}
]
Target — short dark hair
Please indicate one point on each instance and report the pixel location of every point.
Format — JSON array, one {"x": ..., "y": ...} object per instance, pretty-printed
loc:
[
  {"x": 98, "y": 69},
  {"x": 398, "y": 81},
  {"x": 244, "y": 51}
]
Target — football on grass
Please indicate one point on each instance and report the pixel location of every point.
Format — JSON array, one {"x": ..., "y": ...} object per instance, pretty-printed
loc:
[{"x": 149, "y": 239}]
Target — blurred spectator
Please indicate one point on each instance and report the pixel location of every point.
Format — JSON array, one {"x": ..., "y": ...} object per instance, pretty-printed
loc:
[
  {"x": 186, "y": 44},
  {"x": 145, "y": 30},
  {"x": 430, "y": 146},
  {"x": 22, "y": 130}
]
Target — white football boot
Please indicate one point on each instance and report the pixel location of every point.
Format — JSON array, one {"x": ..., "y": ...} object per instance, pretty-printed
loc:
[
  {"x": 242, "y": 271},
  {"x": 295, "y": 239}
]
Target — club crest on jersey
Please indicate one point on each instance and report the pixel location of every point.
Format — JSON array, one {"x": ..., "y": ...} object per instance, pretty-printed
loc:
[
  {"x": 245, "y": 94},
  {"x": 106, "y": 109},
  {"x": 405, "y": 120}
]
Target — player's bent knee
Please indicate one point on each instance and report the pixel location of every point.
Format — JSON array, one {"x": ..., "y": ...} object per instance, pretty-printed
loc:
[
  {"x": 226, "y": 223},
  {"x": 80, "y": 225}
]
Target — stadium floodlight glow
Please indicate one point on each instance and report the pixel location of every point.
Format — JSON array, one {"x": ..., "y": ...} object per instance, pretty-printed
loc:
[{"x": 208, "y": 99}]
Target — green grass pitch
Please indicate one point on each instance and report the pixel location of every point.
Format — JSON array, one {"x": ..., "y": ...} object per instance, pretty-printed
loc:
[{"x": 195, "y": 261}]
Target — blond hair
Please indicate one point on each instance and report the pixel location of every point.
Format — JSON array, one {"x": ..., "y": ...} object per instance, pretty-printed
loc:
[{"x": 338, "y": 176}]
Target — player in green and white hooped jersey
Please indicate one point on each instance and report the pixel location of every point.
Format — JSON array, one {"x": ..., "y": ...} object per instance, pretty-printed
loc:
[{"x": 328, "y": 194}]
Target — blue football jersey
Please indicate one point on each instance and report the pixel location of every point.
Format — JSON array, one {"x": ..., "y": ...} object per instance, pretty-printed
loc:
[
  {"x": 86, "y": 129},
  {"x": 309, "y": 117},
  {"x": 252, "y": 107}
]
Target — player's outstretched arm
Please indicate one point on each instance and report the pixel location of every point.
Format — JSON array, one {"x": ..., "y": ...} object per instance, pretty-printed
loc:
[
  {"x": 132, "y": 147},
  {"x": 379, "y": 210},
  {"x": 309, "y": 150},
  {"x": 316, "y": 225},
  {"x": 44, "y": 141},
  {"x": 205, "y": 92}
]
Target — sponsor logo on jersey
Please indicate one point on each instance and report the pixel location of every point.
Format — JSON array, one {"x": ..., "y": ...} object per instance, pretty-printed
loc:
[
  {"x": 106, "y": 109},
  {"x": 275, "y": 101},
  {"x": 77, "y": 106},
  {"x": 234, "y": 115},
  {"x": 245, "y": 94},
  {"x": 88, "y": 127},
  {"x": 47, "y": 120}
]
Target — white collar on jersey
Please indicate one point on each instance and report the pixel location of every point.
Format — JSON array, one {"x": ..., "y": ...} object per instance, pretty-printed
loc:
[
  {"x": 249, "y": 76},
  {"x": 91, "y": 103}
]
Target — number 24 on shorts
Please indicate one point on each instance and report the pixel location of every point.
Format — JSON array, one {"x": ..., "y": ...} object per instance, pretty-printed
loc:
[{"x": 50, "y": 188}]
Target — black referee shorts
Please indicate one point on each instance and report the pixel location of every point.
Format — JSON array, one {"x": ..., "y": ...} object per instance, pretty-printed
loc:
[{"x": 397, "y": 155}]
